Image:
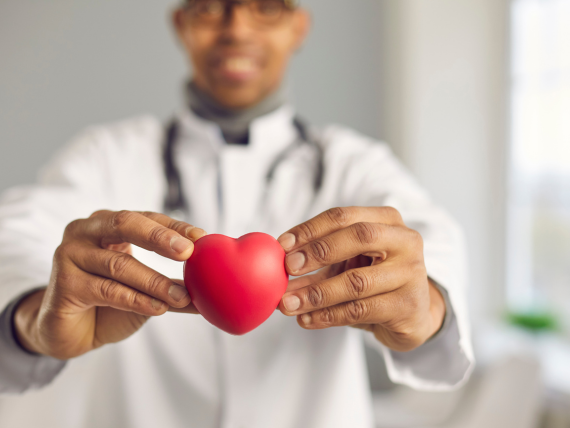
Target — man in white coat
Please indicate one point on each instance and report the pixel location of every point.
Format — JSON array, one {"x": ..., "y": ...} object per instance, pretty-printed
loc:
[{"x": 91, "y": 307}]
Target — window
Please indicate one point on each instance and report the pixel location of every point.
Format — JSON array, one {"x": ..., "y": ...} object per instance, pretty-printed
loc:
[{"x": 538, "y": 271}]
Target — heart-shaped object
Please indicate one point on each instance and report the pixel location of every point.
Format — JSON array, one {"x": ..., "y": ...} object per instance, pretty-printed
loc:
[{"x": 236, "y": 284}]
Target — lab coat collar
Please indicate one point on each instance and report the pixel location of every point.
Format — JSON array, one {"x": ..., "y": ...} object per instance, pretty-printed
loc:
[{"x": 269, "y": 134}]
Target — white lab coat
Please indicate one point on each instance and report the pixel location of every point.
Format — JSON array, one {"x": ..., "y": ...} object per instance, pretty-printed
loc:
[{"x": 178, "y": 370}]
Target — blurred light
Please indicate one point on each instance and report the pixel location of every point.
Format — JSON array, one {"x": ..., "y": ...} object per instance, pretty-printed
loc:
[{"x": 539, "y": 183}]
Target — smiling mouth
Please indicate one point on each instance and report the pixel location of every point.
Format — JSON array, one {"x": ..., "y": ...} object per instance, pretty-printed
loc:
[
  {"x": 238, "y": 65},
  {"x": 237, "y": 69}
]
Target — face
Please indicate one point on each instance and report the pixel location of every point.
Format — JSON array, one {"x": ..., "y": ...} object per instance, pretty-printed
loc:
[{"x": 237, "y": 57}]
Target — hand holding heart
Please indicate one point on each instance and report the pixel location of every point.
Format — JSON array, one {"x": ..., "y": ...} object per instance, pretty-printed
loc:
[
  {"x": 98, "y": 292},
  {"x": 372, "y": 276}
]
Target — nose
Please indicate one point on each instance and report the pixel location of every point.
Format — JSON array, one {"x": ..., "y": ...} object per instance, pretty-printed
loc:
[{"x": 237, "y": 21}]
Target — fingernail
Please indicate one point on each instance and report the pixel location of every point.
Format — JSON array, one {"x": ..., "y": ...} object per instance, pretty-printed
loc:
[
  {"x": 156, "y": 304},
  {"x": 195, "y": 233},
  {"x": 177, "y": 292},
  {"x": 287, "y": 241},
  {"x": 291, "y": 303},
  {"x": 306, "y": 318},
  {"x": 295, "y": 261},
  {"x": 180, "y": 244}
]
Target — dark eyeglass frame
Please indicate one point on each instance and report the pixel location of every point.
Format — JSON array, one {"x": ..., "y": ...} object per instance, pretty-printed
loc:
[{"x": 289, "y": 5}]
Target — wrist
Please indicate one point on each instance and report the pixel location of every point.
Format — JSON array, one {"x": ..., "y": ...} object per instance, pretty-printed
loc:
[
  {"x": 437, "y": 308},
  {"x": 25, "y": 322}
]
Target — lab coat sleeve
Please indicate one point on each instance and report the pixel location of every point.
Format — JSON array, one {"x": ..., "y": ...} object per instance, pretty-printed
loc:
[
  {"x": 20, "y": 370},
  {"x": 372, "y": 176},
  {"x": 32, "y": 222}
]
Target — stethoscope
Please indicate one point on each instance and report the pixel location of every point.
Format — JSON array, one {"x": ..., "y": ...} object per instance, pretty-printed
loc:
[
  {"x": 176, "y": 203},
  {"x": 177, "y": 206}
]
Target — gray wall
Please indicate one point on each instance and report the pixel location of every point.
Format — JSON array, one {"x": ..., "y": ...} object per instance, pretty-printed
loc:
[
  {"x": 447, "y": 87},
  {"x": 67, "y": 64}
]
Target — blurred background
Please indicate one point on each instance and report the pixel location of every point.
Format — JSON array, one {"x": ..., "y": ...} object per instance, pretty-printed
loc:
[{"x": 473, "y": 95}]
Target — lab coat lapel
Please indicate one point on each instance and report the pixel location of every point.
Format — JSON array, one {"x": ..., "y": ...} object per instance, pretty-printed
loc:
[
  {"x": 226, "y": 184},
  {"x": 244, "y": 170},
  {"x": 197, "y": 154}
]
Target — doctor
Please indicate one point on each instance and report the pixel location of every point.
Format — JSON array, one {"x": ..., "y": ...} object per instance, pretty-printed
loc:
[{"x": 86, "y": 258}]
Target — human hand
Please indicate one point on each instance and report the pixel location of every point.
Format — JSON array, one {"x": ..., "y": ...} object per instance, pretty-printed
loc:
[
  {"x": 373, "y": 276},
  {"x": 98, "y": 292}
]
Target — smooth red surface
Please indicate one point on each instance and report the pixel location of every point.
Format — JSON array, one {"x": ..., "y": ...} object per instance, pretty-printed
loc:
[{"x": 236, "y": 284}]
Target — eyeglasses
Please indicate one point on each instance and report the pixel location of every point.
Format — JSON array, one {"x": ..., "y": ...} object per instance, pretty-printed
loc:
[{"x": 213, "y": 12}]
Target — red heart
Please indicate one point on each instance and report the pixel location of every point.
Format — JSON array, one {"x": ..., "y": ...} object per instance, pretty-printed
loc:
[{"x": 236, "y": 284}]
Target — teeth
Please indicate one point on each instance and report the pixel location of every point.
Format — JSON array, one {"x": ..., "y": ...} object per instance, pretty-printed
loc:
[{"x": 239, "y": 65}]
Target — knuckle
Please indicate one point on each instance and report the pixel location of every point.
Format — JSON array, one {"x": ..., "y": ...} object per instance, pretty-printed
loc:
[
  {"x": 98, "y": 213},
  {"x": 118, "y": 263},
  {"x": 393, "y": 214},
  {"x": 61, "y": 252},
  {"x": 355, "y": 311},
  {"x": 72, "y": 227},
  {"x": 133, "y": 300},
  {"x": 339, "y": 216},
  {"x": 179, "y": 225},
  {"x": 327, "y": 316},
  {"x": 61, "y": 276},
  {"x": 315, "y": 296},
  {"x": 119, "y": 218},
  {"x": 157, "y": 234},
  {"x": 417, "y": 239},
  {"x": 358, "y": 283},
  {"x": 321, "y": 250},
  {"x": 308, "y": 231},
  {"x": 107, "y": 289},
  {"x": 366, "y": 233},
  {"x": 156, "y": 282}
]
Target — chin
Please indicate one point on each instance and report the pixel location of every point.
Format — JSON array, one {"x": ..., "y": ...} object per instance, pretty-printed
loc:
[{"x": 239, "y": 98}]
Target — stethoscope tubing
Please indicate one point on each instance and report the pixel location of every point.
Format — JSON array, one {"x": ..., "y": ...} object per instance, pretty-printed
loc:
[{"x": 176, "y": 202}]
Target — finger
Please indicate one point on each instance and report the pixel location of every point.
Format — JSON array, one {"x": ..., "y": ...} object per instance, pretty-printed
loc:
[
  {"x": 353, "y": 284},
  {"x": 328, "y": 272},
  {"x": 336, "y": 219},
  {"x": 358, "y": 262},
  {"x": 373, "y": 310},
  {"x": 107, "y": 227},
  {"x": 297, "y": 283},
  {"x": 370, "y": 239},
  {"x": 394, "y": 321},
  {"x": 187, "y": 230},
  {"x": 127, "y": 270},
  {"x": 125, "y": 247},
  {"x": 107, "y": 292},
  {"x": 190, "y": 309},
  {"x": 324, "y": 273}
]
